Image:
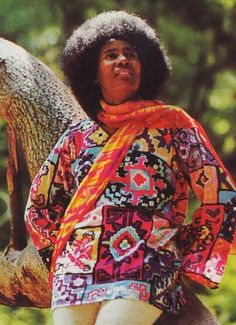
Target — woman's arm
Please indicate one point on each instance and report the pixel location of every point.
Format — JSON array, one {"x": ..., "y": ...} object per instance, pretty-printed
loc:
[
  {"x": 206, "y": 242},
  {"x": 49, "y": 196}
]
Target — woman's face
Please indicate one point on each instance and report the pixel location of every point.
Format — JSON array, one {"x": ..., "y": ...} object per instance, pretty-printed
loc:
[{"x": 119, "y": 71}]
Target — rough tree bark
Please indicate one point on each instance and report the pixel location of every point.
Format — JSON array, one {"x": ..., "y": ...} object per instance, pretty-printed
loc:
[{"x": 37, "y": 108}]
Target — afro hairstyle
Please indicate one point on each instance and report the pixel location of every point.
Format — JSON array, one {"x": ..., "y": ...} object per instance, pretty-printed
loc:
[{"x": 79, "y": 59}]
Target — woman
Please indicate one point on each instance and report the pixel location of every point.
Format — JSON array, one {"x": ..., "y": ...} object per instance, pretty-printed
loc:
[{"x": 111, "y": 199}]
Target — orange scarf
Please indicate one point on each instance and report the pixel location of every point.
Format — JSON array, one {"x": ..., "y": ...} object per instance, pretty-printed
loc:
[{"x": 129, "y": 119}]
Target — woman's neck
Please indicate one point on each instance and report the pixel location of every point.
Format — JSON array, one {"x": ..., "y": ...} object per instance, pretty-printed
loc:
[{"x": 119, "y": 100}]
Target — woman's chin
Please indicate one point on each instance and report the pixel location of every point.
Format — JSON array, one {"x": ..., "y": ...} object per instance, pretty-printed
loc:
[{"x": 121, "y": 97}]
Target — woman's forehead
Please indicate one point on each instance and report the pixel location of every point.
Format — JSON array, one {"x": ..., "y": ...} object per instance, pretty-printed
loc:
[{"x": 116, "y": 44}]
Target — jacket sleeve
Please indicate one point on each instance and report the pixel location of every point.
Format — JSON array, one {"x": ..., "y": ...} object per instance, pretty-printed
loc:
[
  {"x": 49, "y": 195},
  {"x": 207, "y": 241}
]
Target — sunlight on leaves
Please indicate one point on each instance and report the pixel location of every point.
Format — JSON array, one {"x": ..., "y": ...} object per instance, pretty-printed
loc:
[
  {"x": 223, "y": 95},
  {"x": 220, "y": 126},
  {"x": 229, "y": 145},
  {"x": 227, "y": 4},
  {"x": 46, "y": 38}
]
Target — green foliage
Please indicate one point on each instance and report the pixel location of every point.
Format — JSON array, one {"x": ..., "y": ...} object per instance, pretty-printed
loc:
[
  {"x": 19, "y": 18},
  {"x": 223, "y": 119},
  {"x": 223, "y": 300},
  {"x": 23, "y": 316},
  {"x": 184, "y": 53},
  {"x": 35, "y": 26}
]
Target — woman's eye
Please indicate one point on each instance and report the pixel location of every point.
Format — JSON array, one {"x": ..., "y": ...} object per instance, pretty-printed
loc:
[
  {"x": 131, "y": 55},
  {"x": 111, "y": 56}
]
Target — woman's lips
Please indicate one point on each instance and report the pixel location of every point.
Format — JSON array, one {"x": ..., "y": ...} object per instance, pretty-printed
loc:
[{"x": 124, "y": 72}]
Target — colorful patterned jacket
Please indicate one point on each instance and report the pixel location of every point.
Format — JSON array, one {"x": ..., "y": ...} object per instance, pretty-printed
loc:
[{"x": 136, "y": 232}]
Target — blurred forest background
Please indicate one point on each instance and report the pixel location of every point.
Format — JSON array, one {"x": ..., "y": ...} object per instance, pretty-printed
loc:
[{"x": 200, "y": 37}]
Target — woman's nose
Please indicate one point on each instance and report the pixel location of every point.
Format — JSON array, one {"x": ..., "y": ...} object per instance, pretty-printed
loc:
[{"x": 122, "y": 59}]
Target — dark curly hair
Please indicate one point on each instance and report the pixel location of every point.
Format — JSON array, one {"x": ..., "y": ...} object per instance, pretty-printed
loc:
[{"x": 80, "y": 55}]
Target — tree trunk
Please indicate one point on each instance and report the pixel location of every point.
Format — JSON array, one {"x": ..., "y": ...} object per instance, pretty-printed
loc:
[{"x": 18, "y": 232}]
